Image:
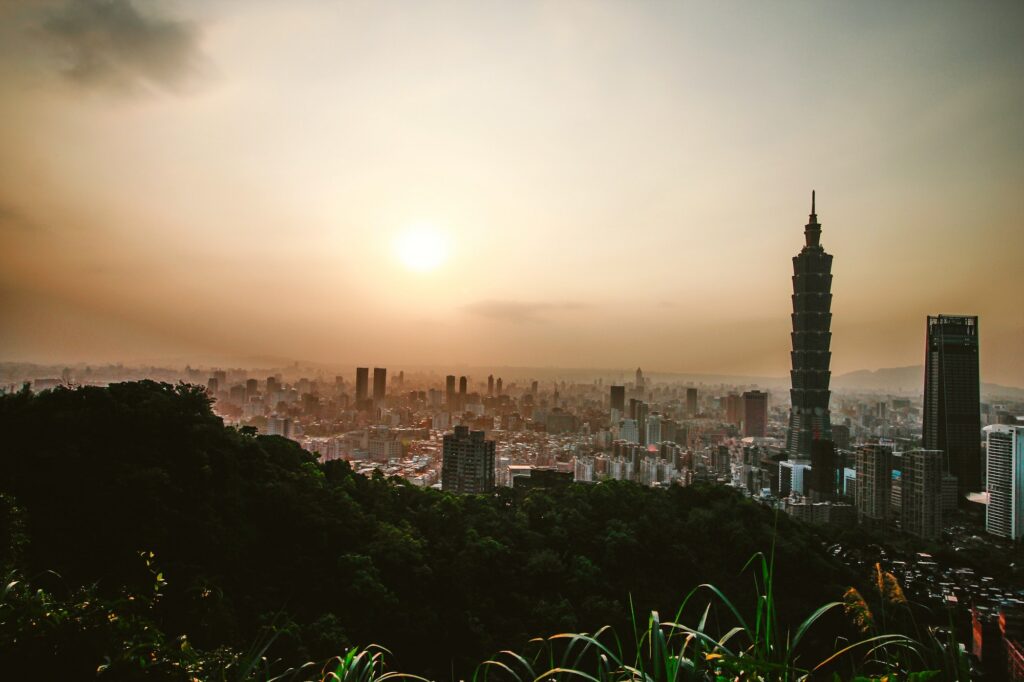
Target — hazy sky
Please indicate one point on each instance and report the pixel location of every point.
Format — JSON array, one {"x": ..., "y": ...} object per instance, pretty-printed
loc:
[{"x": 613, "y": 183}]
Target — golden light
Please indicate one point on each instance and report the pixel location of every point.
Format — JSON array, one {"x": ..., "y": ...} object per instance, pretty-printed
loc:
[{"x": 421, "y": 247}]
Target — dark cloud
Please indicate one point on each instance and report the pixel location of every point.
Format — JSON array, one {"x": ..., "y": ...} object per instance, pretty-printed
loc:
[
  {"x": 12, "y": 219},
  {"x": 111, "y": 44},
  {"x": 518, "y": 311}
]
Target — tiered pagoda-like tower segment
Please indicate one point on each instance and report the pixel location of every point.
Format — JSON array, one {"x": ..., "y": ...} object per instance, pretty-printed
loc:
[{"x": 809, "y": 419}]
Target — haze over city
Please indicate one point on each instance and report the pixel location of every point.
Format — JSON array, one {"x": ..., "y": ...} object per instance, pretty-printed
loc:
[
  {"x": 506, "y": 340},
  {"x": 591, "y": 184}
]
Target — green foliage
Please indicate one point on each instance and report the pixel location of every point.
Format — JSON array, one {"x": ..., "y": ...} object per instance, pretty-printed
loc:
[
  {"x": 907, "y": 644},
  {"x": 253, "y": 536}
]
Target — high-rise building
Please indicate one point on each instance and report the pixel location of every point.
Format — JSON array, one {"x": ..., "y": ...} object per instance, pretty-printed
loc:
[
  {"x": 841, "y": 436},
  {"x": 793, "y": 475},
  {"x": 824, "y": 480},
  {"x": 463, "y": 384},
  {"x": 1004, "y": 515},
  {"x": 252, "y": 387},
  {"x": 874, "y": 482},
  {"x": 921, "y": 489},
  {"x": 628, "y": 431},
  {"x": 380, "y": 384},
  {"x": 639, "y": 379},
  {"x": 618, "y": 398},
  {"x": 691, "y": 401},
  {"x": 498, "y": 385},
  {"x": 755, "y": 414},
  {"x": 362, "y": 384},
  {"x": 809, "y": 418},
  {"x": 449, "y": 390},
  {"x": 468, "y": 462},
  {"x": 653, "y": 429},
  {"x": 490, "y": 384},
  {"x": 733, "y": 409},
  {"x": 278, "y": 426},
  {"x": 668, "y": 430},
  {"x": 642, "y": 410},
  {"x": 952, "y": 402}
]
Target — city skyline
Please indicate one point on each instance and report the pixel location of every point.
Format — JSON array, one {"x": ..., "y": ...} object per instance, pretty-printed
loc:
[
  {"x": 225, "y": 190},
  {"x": 366, "y": 339}
]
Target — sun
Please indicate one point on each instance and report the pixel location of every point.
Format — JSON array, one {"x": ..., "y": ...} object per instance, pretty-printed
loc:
[{"x": 421, "y": 247}]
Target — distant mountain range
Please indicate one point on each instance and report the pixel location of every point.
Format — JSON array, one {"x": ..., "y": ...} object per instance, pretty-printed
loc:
[
  {"x": 895, "y": 379},
  {"x": 907, "y": 380}
]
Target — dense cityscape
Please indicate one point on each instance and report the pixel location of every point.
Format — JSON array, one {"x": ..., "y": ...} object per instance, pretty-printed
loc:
[
  {"x": 488, "y": 342},
  {"x": 941, "y": 466}
]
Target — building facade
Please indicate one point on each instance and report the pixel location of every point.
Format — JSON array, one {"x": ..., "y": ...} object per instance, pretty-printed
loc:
[
  {"x": 952, "y": 400},
  {"x": 921, "y": 474},
  {"x": 874, "y": 482},
  {"x": 362, "y": 384},
  {"x": 1004, "y": 515},
  {"x": 380, "y": 384},
  {"x": 809, "y": 418},
  {"x": 824, "y": 477},
  {"x": 617, "y": 397},
  {"x": 755, "y": 414},
  {"x": 449, "y": 390},
  {"x": 467, "y": 464}
]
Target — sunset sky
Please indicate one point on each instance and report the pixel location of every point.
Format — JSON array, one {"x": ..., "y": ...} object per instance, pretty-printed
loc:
[{"x": 577, "y": 184}]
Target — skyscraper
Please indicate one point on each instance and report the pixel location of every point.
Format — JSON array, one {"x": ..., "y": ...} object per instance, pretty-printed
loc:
[
  {"x": 653, "y": 429},
  {"x": 639, "y": 379},
  {"x": 824, "y": 478},
  {"x": 618, "y": 398},
  {"x": 449, "y": 390},
  {"x": 755, "y": 414},
  {"x": 874, "y": 482},
  {"x": 641, "y": 412},
  {"x": 362, "y": 384},
  {"x": 921, "y": 489},
  {"x": 691, "y": 401},
  {"x": 952, "y": 402},
  {"x": 380, "y": 384},
  {"x": 468, "y": 462},
  {"x": 490, "y": 384},
  {"x": 1004, "y": 515},
  {"x": 733, "y": 409},
  {"x": 812, "y": 318}
]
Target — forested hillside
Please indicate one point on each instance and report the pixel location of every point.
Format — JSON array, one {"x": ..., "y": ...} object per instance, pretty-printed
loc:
[{"x": 248, "y": 531}]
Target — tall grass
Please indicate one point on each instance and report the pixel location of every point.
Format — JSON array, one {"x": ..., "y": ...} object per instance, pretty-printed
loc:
[
  {"x": 673, "y": 651},
  {"x": 893, "y": 644}
]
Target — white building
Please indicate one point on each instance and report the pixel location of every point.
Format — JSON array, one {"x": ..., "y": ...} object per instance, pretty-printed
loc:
[
  {"x": 791, "y": 477},
  {"x": 583, "y": 469},
  {"x": 1004, "y": 515}
]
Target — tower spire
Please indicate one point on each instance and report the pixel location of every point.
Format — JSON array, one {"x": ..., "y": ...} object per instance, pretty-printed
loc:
[{"x": 812, "y": 231}]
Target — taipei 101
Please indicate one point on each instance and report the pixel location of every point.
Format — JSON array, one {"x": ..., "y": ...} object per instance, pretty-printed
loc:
[{"x": 511, "y": 341}]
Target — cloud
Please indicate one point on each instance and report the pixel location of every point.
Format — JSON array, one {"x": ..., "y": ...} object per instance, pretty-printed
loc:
[
  {"x": 12, "y": 219},
  {"x": 110, "y": 44},
  {"x": 518, "y": 311}
]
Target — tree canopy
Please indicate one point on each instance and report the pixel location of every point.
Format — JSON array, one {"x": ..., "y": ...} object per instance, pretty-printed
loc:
[{"x": 246, "y": 530}]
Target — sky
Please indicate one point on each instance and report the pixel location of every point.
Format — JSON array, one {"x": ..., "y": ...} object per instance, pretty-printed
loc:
[{"x": 573, "y": 184}]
